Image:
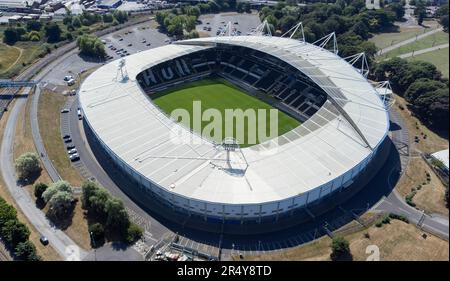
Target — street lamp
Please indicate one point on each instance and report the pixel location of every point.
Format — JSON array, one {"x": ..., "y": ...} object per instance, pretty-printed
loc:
[{"x": 93, "y": 244}]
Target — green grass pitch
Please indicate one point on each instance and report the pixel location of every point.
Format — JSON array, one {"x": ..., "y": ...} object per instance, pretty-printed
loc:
[{"x": 217, "y": 93}]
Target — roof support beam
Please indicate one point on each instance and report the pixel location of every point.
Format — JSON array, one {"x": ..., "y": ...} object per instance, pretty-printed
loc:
[{"x": 293, "y": 30}]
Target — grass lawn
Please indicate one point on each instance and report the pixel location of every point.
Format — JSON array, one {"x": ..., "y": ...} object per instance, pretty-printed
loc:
[
  {"x": 221, "y": 95},
  {"x": 439, "y": 58},
  {"x": 30, "y": 53},
  {"x": 387, "y": 39},
  {"x": 8, "y": 57},
  {"x": 427, "y": 42}
]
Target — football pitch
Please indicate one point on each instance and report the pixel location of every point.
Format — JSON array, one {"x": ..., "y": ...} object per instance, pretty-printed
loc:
[{"x": 219, "y": 94}]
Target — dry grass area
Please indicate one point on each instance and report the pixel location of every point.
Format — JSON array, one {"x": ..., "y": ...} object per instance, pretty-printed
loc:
[
  {"x": 46, "y": 252},
  {"x": 433, "y": 141},
  {"x": 49, "y": 108},
  {"x": 431, "y": 196},
  {"x": 397, "y": 241}
]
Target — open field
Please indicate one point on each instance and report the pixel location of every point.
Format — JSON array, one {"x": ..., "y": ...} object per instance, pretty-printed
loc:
[
  {"x": 424, "y": 43},
  {"x": 387, "y": 39},
  {"x": 31, "y": 51},
  {"x": 439, "y": 58},
  {"x": 221, "y": 95},
  {"x": 397, "y": 241},
  {"x": 50, "y": 105}
]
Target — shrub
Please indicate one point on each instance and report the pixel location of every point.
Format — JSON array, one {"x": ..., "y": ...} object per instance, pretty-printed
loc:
[
  {"x": 39, "y": 189},
  {"x": 398, "y": 217},
  {"x": 134, "y": 233},
  {"x": 340, "y": 249}
]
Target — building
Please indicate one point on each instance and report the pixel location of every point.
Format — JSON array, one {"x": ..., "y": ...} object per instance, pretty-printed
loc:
[
  {"x": 344, "y": 123},
  {"x": 109, "y": 4}
]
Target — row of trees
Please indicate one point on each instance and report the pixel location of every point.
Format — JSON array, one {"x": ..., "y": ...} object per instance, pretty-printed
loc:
[
  {"x": 179, "y": 25},
  {"x": 352, "y": 22},
  {"x": 108, "y": 213},
  {"x": 91, "y": 46},
  {"x": 16, "y": 234},
  {"x": 88, "y": 19},
  {"x": 33, "y": 31},
  {"x": 422, "y": 85}
]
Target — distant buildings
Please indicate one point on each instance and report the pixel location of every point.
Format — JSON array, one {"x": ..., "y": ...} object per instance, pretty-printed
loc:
[{"x": 109, "y": 4}]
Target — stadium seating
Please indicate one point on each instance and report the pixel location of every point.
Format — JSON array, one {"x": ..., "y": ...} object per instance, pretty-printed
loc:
[{"x": 250, "y": 68}]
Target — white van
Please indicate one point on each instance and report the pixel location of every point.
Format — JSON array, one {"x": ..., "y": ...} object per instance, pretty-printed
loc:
[{"x": 71, "y": 82}]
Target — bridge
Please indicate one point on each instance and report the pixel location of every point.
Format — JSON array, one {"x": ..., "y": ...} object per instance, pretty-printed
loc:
[{"x": 8, "y": 83}]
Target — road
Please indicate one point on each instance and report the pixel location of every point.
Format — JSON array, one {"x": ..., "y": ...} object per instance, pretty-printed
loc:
[
  {"x": 423, "y": 51},
  {"x": 408, "y": 41}
]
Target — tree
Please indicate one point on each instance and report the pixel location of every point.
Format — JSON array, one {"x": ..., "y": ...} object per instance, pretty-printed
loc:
[
  {"x": 120, "y": 16},
  {"x": 91, "y": 46},
  {"x": 34, "y": 25},
  {"x": 26, "y": 251},
  {"x": 39, "y": 189},
  {"x": 54, "y": 188},
  {"x": 97, "y": 233},
  {"x": 60, "y": 204},
  {"x": 420, "y": 12},
  {"x": 76, "y": 22},
  {"x": 117, "y": 216},
  {"x": 361, "y": 29},
  {"x": 134, "y": 233},
  {"x": 432, "y": 108},
  {"x": 14, "y": 232},
  {"x": 398, "y": 10},
  {"x": 443, "y": 20},
  {"x": 34, "y": 36},
  {"x": 27, "y": 164},
  {"x": 340, "y": 249},
  {"x": 7, "y": 212},
  {"x": 52, "y": 32},
  {"x": 10, "y": 36},
  {"x": 422, "y": 87}
]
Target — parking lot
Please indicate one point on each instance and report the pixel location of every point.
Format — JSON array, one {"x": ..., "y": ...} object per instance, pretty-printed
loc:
[
  {"x": 133, "y": 40},
  {"x": 243, "y": 23}
]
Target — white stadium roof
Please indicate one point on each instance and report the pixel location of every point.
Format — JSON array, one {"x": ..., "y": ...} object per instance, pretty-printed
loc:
[{"x": 321, "y": 149}]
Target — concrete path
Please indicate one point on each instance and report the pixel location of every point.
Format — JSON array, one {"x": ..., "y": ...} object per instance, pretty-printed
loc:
[
  {"x": 408, "y": 41},
  {"x": 423, "y": 51}
]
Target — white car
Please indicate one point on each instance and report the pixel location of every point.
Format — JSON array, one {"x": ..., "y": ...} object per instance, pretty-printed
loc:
[
  {"x": 71, "y": 82},
  {"x": 79, "y": 113},
  {"x": 72, "y": 151},
  {"x": 68, "y": 77},
  {"x": 74, "y": 157}
]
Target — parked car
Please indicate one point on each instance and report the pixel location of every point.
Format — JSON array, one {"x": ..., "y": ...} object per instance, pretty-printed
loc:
[
  {"x": 66, "y": 137},
  {"x": 68, "y": 77},
  {"x": 71, "y": 82},
  {"x": 129, "y": 45},
  {"x": 44, "y": 240},
  {"x": 65, "y": 110},
  {"x": 74, "y": 157},
  {"x": 72, "y": 92},
  {"x": 72, "y": 151},
  {"x": 121, "y": 39},
  {"x": 68, "y": 140},
  {"x": 70, "y": 146}
]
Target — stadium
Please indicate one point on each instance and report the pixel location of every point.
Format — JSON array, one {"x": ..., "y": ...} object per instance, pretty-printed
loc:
[{"x": 332, "y": 122}]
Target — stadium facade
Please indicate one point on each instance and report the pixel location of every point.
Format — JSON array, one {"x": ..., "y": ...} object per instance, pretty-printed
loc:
[{"x": 344, "y": 121}]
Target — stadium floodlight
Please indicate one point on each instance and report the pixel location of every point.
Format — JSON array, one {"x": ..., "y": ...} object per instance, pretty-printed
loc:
[
  {"x": 259, "y": 30},
  {"x": 293, "y": 30},
  {"x": 122, "y": 71},
  {"x": 385, "y": 93},
  {"x": 361, "y": 57},
  {"x": 323, "y": 42}
]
